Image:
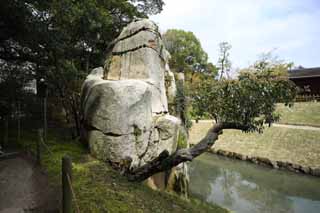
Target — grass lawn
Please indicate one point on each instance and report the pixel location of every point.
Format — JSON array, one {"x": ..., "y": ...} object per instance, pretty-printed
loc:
[
  {"x": 198, "y": 131},
  {"x": 303, "y": 113},
  {"x": 282, "y": 144},
  {"x": 99, "y": 188},
  {"x": 276, "y": 143}
]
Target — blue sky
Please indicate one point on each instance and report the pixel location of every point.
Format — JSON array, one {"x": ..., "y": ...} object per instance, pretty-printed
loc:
[{"x": 289, "y": 28}]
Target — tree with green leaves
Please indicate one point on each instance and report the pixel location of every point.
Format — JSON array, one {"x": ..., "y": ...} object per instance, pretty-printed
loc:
[
  {"x": 187, "y": 53},
  {"x": 246, "y": 104},
  {"x": 188, "y": 56},
  {"x": 61, "y": 40},
  {"x": 85, "y": 29}
]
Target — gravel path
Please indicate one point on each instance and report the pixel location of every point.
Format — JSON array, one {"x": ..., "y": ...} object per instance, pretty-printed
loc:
[{"x": 24, "y": 188}]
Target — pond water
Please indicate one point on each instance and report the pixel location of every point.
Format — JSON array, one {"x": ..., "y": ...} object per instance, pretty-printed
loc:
[{"x": 247, "y": 188}]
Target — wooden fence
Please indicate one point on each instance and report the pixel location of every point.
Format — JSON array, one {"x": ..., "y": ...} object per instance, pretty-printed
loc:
[{"x": 307, "y": 98}]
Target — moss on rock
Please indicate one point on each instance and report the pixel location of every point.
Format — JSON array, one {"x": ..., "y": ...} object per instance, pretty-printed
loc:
[{"x": 182, "y": 139}]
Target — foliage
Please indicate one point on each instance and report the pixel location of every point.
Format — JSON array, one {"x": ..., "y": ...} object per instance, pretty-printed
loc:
[
  {"x": 248, "y": 101},
  {"x": 12, "y": 82},
  {"x": 187, "y": 56},
  {"x": 84, "y": 29},
  {"x": 62, "y": 40},
  {"x": 186, "y": 52},
  {"x": 211, "y": 69},
  {"x": 224, "y": 63},
  {"x": 148, "y": 6}
]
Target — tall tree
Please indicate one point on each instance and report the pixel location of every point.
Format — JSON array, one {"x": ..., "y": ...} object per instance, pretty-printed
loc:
[
  {"x": 62, "y": 40},
  {"x": 186, "y": 52},
  {"x": 224, "y": 63}
]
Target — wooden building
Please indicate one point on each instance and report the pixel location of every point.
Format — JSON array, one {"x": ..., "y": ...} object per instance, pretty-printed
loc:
[{"x": 308, "y": 80}]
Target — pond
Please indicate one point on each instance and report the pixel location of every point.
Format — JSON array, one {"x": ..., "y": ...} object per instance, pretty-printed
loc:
[{"x": 245, "y": 187}]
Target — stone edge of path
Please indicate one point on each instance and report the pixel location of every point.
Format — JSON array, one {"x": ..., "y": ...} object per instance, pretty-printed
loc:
[{"x": 270, "y": 163}]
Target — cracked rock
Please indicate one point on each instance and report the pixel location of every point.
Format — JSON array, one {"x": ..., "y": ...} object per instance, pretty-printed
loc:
[
  {"x": 125, "y": 104},
  {"x": 141, "y": 56}
]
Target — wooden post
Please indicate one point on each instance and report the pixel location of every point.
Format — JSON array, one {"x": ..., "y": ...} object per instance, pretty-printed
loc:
[
  {"x": 6, "y": 131},
  {"x": 66, "y": 185},
  {"x": 19, "y": 122},
  {"x": 40, "y": 138},
  {"x": 45, "y": 128}
]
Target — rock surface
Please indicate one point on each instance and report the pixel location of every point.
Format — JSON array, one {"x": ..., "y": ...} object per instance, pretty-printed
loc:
[
  {"x": 125, "y": 104},
  {"x": 139, "y": 53}
]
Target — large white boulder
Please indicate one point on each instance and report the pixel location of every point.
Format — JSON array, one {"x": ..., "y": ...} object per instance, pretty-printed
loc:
[{"x": 125, "y": 104}]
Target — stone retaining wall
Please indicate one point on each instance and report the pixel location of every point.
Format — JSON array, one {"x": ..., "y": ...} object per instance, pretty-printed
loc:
[{"x": 267, "y": 162}]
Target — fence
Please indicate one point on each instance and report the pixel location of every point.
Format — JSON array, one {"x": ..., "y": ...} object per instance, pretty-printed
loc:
[
  {"x": 68, "y": 193},
  {"x": 307, "y": 98}
]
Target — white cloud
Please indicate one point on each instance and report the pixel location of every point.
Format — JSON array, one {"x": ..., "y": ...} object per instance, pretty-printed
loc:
[{"x": 251, "y": 26}]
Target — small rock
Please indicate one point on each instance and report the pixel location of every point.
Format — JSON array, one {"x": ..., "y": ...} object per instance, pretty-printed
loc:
[
  {"x": 274, "y": 164},
  {"x": 306, "y": 169}
]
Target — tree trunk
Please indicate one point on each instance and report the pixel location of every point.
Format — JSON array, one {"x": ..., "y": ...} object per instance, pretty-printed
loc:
[
  {"x": 76, "y": 120},
  {"x": 165, "y": 161},
  {"x": 191, "y": 79},
  {"x": 74, "y": 104}
]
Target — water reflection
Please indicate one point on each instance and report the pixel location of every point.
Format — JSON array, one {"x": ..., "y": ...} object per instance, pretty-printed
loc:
[{"x": 245, "y": 187}]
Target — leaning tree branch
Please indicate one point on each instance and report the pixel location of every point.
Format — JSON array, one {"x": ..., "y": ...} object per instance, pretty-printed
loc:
[{"x": 165, "y": 161}]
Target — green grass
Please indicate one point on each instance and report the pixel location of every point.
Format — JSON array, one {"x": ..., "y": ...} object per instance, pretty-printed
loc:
[
  {"x": 198, "y": 131},
  {"x": 303, "y": 113},
  {"x": 283, "y": 144},
  {"x": 276, "y": 143},
  {"x": 99, "y": 188}
]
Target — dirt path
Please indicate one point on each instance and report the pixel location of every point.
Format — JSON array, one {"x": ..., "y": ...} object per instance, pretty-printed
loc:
[{"x": 24, "y": 188}]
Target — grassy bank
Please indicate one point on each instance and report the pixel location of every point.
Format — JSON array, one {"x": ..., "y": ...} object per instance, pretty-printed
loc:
[
  {"x": 297, "y": 146},
  {"x": 99, "y": 188},
  {"x": 303, "y": 113},
  {"x": 300, "y": 147}
]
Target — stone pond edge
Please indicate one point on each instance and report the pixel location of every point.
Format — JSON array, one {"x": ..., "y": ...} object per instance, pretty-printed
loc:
[{"x": 282, "y": 165}]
